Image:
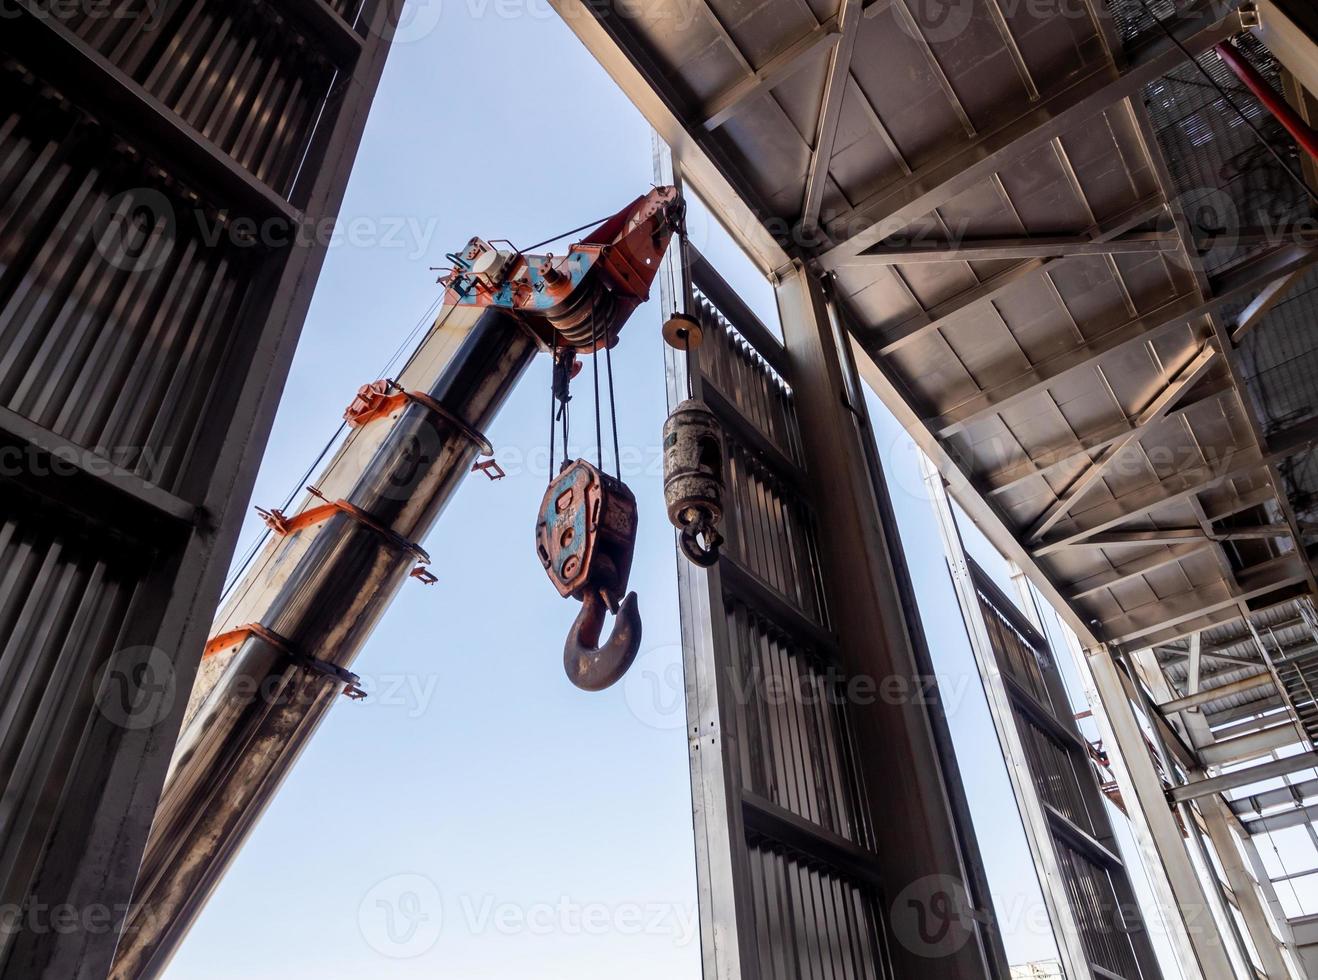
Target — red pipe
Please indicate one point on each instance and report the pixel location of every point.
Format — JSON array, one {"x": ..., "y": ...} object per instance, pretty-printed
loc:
[{"x": 1304, "y": 134}]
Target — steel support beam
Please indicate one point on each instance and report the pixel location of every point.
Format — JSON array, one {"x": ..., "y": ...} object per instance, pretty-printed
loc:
[
  {"x": 1158, "y": 616},
  {"x": 902, "y": 744},
  {"x": 727, "y": 922},
  {"x": 704, "y": 165},
  {"x": 1292, "y": 37},
  {"x": 1245, "y": 747},
  {"x": 1269, "y": 296},
  {"x": 890, "y": 339},
  {"x": 1154, "y": 411},
  {"x": 892, "y": 208},
  {"x": 1121, "y": 510},
  {"x": 1276, "y": 960},
  {"x": 998, "y": 249},
  {"x": 830, "y": 111},
  {"x": 1179, "y": 486},
  {"x": 1281, "y": 821},
  {"x": 1290, "y": 794},
  {"x": 1246, "y": 894},
  {"x": 777, "y": 69},
  {"x": 1177, "y": 535},
  {"x": 1137, "y": 567},
  {"x": 1245, "y": 777},
  {"x": 1013, "y": 474},
  {"x": 1205, "y": 695}
]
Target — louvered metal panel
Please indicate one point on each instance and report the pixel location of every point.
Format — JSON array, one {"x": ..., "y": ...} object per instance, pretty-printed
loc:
[
  {"x": 788, "y": 830},
  {"x": 1102, "y": 900},
  {"x": 63, "y": 605},
  {"x": 228, "y": 70},
  {"x": 159, "y": 165},
  {"x": 1089, "y": 897},
  {"x": 792, "y": 730},
  {"x": 117, "y": 344},
  {"x": 811, "y": 921}
]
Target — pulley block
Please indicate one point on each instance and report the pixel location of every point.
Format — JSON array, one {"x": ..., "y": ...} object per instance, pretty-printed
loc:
[
  {"x": 693, "y": 479},
  {"x": 585, "y": 538}
]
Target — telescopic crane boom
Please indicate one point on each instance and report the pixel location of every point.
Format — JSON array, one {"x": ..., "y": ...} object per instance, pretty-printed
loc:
[{"x": 288, "y": 632}]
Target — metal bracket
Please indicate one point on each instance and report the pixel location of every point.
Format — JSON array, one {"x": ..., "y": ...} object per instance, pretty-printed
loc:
[
  {"x": 283, "y": 525},
  {"x": 490, "y": 468},
  {"x": 424, "y": 575},
  {"x": 379, "y": 398},
  {"x": 351, "y": 682}
]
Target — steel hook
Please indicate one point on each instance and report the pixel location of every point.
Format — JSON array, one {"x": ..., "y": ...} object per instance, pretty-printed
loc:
[
  {"x": 705, "y": 555},
  {"x": 590, "y": 666}
]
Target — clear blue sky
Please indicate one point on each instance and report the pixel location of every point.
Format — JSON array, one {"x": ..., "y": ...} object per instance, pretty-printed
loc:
[{"x": 479, "y": 817}]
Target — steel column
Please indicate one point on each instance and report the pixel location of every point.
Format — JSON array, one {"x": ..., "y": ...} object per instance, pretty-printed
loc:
[
  {"x": 1277, "y": 959},
  {"x": 727, "y": 918},
  {"x": 918, "y": 834},
  {"x": 1170, "y": 866}
]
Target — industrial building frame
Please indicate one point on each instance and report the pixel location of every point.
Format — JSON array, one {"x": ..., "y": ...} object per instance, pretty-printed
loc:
[
  {"x": 1014, "y": 237},
  {"x": 1063, "y": 246}
]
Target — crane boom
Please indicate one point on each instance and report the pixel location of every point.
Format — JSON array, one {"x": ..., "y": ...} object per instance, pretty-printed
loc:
[{"x": 288, "y": 632}]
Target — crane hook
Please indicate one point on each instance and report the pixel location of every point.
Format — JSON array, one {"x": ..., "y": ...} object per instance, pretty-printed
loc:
[
  {"x": 590, "y": 666},
  {"x": 700, "y": 543}
]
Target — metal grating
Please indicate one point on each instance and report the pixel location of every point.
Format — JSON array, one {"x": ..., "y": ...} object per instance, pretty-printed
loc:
[{"x": 1225, "y": 180}]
